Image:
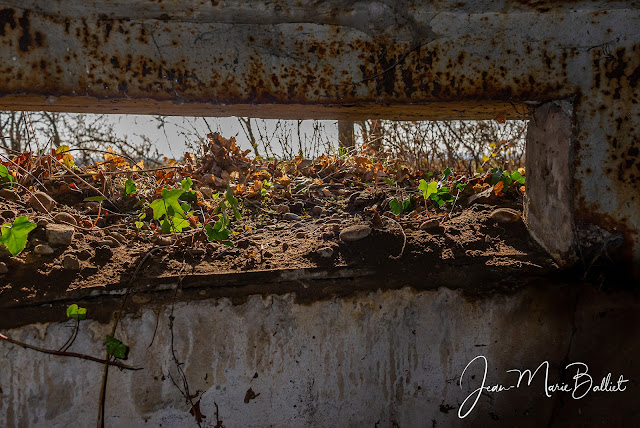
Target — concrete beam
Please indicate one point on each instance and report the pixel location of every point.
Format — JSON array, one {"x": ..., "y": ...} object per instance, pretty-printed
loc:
[{"x": 350, "y": 60}]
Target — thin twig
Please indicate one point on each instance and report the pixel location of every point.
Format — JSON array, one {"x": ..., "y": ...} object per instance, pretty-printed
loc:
[
  {"x": 404, "y": 243},
  {"x": 68, "y": 354}
]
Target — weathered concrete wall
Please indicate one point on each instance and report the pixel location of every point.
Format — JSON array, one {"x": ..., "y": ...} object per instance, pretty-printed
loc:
[
  {"x": 548, "y": 208},
  {"x": 406, "y": 59},
  {"x": 385, "y": 359}
]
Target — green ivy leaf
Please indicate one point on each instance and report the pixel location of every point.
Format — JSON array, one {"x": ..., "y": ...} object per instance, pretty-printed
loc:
[
  {"x": 14, "y": 236},
  {"x": 446, "y": 173},
  {"x": 516, "y": 176},
  {"x": 186, "y": 184},
  {"x": 5, "y": 176},
  {"x": 396, "y": 206},
  {"x": 76, "y": 312},
  {"x": 116, "y": 348},
  {"x": 169, "y": 199},
  {"x": 218, "y": 232},
  {"x": 129, "y": 187}
]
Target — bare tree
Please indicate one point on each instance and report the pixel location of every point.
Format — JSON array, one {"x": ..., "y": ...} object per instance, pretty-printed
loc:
[{"x": 90, "y": 134}]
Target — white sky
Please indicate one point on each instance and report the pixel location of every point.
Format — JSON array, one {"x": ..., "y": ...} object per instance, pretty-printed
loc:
[{"x": 173, "y": 144}]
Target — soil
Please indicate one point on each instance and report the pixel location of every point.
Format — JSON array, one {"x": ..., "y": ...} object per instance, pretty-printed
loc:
[{"x": 470, "y": 250}]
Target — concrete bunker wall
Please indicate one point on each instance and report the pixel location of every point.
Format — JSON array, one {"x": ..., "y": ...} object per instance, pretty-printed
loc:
[
  {"x": 392, "y": 358},
  {"x": 395, "y": 59}
]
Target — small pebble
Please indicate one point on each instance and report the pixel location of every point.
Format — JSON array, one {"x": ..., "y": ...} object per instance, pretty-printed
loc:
[
  {"x": 325, "y": 252},
  {"x": 43, "y": 250},
  {"x": 301, "y": 235},
  {"x": 317, "y": 211},
  {"x": 3, "y": 268},
  {"x": 292, "y": 217},
  {"x": 118, "y": 237},
  {"x": 9, "y": 195},
  {"x": 42, "y": 202},
  {"x": 505, "y": 215},
  {"x": 355, "y": 233},
  {"x": 59, "y": 234},
  {"x": 429, "y": 224},
  {"x": 163, "y": 241},
  {"x": 70, "y": 262},
  {"x": 109, "y": 242},
  {"x": 65, "y": 218},
  {"x": 196, "y": 252}
]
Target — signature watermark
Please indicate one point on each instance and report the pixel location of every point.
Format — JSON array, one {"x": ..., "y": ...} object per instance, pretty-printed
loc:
[{"x": 581, "y": 384}]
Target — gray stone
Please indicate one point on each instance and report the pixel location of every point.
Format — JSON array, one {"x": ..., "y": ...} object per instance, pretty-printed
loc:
[
  {"x": 325, "y": 252},
  {"x": 65, "y": 218},
  {"x": 110, "y": 242},
  {"x": 118, "y": 237},
  {"x": 43, "y": 250},
  {"x": 355, "y": 233},
  {"x": 505, "y": 215},
  {"x": 292, "y": 217},
  {"x": 59, "y": 234},
  {"x": 432, "y": 223},
  {"x": 42, "y": 202},
  {"x": 9, "y": 195},
  {"x": 70, "y": 262}
]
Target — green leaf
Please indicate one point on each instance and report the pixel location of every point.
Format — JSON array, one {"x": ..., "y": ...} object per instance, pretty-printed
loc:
[
  {"x": 169, "y": 199},
  {"x": 396, "y": 206},
  {"x": 217, "y": 232},
  {"x": 139, "y": 224},
  {"x": 431, "y": 189},
  {"x": 5, "y": 176},
  {"x": 14, "y": 236},
  {"x": 129, "y": 187},
  {"x": 116, "y": 348},
  {"x": 446, "y": 173},
  {"x": 94, "y": 199},
  {"x": 516, "y": 176},
  {"x": 76, "y": 312},
  {"x": 186, "y": 184}
]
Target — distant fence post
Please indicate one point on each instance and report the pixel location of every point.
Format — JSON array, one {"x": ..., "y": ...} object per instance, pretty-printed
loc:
[{"x": 345, "y": 134}]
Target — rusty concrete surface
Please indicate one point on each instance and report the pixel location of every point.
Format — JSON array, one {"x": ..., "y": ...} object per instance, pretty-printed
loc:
[
  {"x": 384, "y": 359},
  {"x": 349, "y": 60}
]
